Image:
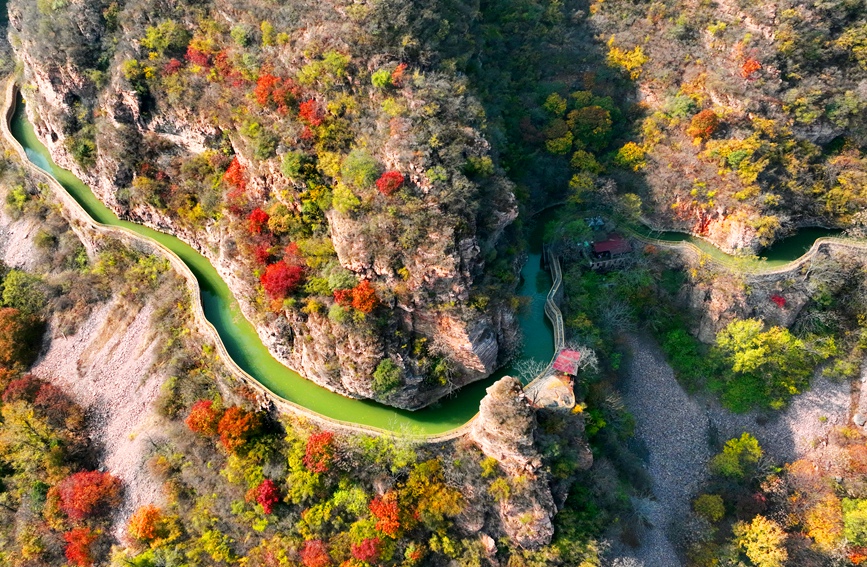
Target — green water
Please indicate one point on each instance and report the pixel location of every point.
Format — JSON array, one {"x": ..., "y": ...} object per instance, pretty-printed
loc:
[
  {"x": 782, "y": 252},
  {"x": 244, "y": 346}
]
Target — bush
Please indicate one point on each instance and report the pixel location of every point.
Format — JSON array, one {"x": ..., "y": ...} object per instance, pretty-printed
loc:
[
  {"x": 386, "y": 377},
  {"x": 710, "y": 507}
]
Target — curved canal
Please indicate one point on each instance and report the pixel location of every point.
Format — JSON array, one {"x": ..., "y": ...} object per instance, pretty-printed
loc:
[{"x": 247, "y": 350}]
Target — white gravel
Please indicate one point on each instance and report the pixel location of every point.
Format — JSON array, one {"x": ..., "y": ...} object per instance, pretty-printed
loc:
[{"x": 677, "y": 430}]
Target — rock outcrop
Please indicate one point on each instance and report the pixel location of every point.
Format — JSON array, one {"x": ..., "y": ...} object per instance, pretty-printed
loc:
[{"x": 506, "y": 430}]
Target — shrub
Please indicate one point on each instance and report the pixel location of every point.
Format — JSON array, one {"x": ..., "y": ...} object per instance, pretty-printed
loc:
[
  {"x": 703, "y": 124},
  {"x": 78, "y": 546},
  {"x": 710, "y": 507},
  {"x": 386, "y": 377},
  {"x": 319, "y": 452},
  {"x": 280, "y": 279},
  {"x": 389, "y": 182},
  {"x": 381, "y": 78},
  {"x": 84, "y": 494},
  {"x": 237, "y": 427},
  {"x": 204, "y": 418}
]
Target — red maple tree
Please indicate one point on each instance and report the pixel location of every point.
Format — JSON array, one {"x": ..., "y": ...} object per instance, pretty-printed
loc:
[
  {"x": 172, "y": 67},
  {"x": 203, "y": 418},
  {"x": 257, "y": 220},
  {"x": 267, "y": 494},
  {"x": 236, "y": 427},
  {"x": 24, "y": 388},
  {"x": 262, "y": 253},
  {"x": 84, "y": 494},
  {"x": 197, "y": 57},
  {"x": 280, "y": 279},
  {"x": 779, "y": 300},
  {"x": 310, "y": 112},
  {"x": 78, "y": 546},
  {"x": 389, "y": 182},
  {"x": 274, "y": 92},
  {"x": 319, "y": 452},
  {"x": 368, "y": 550}
]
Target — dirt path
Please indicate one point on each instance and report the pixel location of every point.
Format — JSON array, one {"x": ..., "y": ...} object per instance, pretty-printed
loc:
[{"x": 677, "y": 430}]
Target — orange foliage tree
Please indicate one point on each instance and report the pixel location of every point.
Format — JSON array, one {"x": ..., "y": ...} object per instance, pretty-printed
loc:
[
  {"x": 362, "y": 297},
  {"x": 387, "y": 513},
  {"x": 236, "y": 427},
  {"x": 315, "y": 554},
  {"x": 144, "y": 525},
  {"x": 86, "y": 493},
  {"x": 703, "y": 124},
  {"x": 203, "y": 418},
  {"x": 257, "y": 220},
  {"x": 319, "y": 452},
  {"x": 750, "y": 67}
]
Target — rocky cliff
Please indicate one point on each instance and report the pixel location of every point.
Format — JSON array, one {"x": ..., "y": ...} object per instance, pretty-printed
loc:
[
  {"x": 506, "y": 429},
  {"x": 440, "y": 318}
]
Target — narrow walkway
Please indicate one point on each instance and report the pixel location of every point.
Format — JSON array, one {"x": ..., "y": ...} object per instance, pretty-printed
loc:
[{"x": 673, "y": 426}]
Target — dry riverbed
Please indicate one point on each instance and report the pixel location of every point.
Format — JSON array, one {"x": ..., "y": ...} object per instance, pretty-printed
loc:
[
  {"x": 106, "y": 366},
  {"x": 679, "y": 430}
]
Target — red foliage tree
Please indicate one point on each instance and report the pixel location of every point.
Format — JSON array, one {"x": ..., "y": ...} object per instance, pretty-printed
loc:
[
  {"x": 203, "y": 418},
  {"x": 749, "y": 68},
  {"x": 24, "y": 388},
  {"x": 144, "y": 525},
  {"x": 362, "y": 297},
  {"x": 258, "y": 219},
  {"x": 236, "y": 427},
  {"x": 235, "y": 176},
  {"x": 315, "y": 554},
  {"x": 172, "y": 67},
  {"x": 319, "y": 452},
  {"x": 197, "y": 57},
  {"x": 389, "y": 182},
  {"x": 262, "y": 253},
  {"x": 310, "y": 112},
  {"x": 387, "y": 514},
  {"x": 368, "y": 550},
  {"x": 84, "y": 494},
  {"x": 280, "y": 279},
  {"x": 267, "y": 494},
  {"x": 78, "y": 546},
  {"x": 274, "y": 92},
  {"x": 292, "y": 255},
  {"x": 703, "y": 124},
  {"x": 779, "y": 300}
]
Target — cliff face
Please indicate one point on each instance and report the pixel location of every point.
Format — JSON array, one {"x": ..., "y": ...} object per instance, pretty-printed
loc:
[
  {"x": 506, "y": 429},
  {"x": 424, "y": 251}
]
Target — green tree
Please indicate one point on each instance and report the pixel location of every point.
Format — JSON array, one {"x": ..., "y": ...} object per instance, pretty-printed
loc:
[
  {"x": 709, "y": 507},
  {"x": 23, "y": 291},
  {"x": 386, "y": 377},
  {"x": 738, "y": 457},
  {"x": 855, "y": 520},
  {"x": 767, "y": 367}
]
